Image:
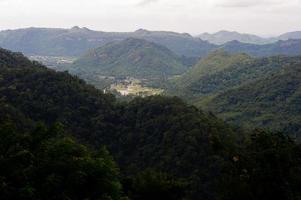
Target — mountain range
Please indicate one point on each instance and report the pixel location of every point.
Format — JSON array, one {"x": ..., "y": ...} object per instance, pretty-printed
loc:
[
  {"x": 223, "y": 37},
  {"x": 76, "y": 41}
]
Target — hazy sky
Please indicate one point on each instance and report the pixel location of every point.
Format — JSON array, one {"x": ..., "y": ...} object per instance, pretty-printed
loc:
[{"x": 264, "y": 17}]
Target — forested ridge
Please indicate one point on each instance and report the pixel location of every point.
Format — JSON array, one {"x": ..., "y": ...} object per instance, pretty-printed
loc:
[
  {"x": 247, "y": 91},
  {"x": 57, "y": 132}
]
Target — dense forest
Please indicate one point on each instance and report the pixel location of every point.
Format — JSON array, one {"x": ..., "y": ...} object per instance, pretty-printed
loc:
[
  {"x": 247, "y": 91},
  {"x": 64, "y": 139}
]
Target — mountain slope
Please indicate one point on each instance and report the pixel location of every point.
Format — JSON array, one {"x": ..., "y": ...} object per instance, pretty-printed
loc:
[
  {"x": 221, "y": 71},
  {"x": 254, "y": 92},
  {"x": 197, "y": 81},
  {"x": 131, "y": 57},
  {"x": 272, "y": 101}
]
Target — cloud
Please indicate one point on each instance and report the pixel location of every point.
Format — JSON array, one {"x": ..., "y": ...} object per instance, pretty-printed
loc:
[
  {"x": 246, "y": 3},
  {"x": 146, "y": 2}
]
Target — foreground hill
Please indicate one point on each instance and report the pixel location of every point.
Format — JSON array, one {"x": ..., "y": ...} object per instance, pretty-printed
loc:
[
  {"x": 131, "y": 57},
  {"x": 76, "y": 41}
]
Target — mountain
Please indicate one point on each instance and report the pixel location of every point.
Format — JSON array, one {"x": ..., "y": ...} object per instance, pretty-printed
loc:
[
  {"x": 76, "y": 41},
  {"x": 260, "y": 92},
  {"x": 272, "y": 101},
  {"x": 223, "y": 37},
  {"x": 288, "y": 47},
  {"x": 290, "y": 35},
  {"x": 130, "y": 57},
  {"x": 210, "y": 75}
]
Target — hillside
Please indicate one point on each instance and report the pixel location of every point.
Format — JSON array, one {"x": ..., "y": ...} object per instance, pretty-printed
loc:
[
  {"x": 272, "y": 102},
  {"x": 131, "y": 57},
  {"x": 223, "y": 83},
  {"x": 201, "y": 79},
  {"x": 76, "y": 41},
  {"x": 222, "y": 70}
]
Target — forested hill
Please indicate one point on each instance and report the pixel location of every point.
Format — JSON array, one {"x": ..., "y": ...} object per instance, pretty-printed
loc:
[
  {"x": 273, "y": 101},
  {"x": 192, "y": 83},
  {"x": 130, "y": 57},
  {"x": 247, "y": 91},
  {"x": 163, "y": 147}
]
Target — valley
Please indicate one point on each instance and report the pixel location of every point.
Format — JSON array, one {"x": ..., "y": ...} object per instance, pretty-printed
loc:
[{"x": 134, "y": 87}]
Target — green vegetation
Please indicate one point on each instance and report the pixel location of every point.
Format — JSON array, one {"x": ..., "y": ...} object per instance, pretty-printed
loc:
[
  {"x": 163, "y": 147},
  {"x": 45, "y": 164},
  {"x": 193, "y": 82},
  {"x": 260, "y": 92},
  {"x": 130, "y": 58},
  {"x": 272, "y": 102}
]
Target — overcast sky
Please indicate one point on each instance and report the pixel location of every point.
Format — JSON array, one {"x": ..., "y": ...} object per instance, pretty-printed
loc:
[{"x": 263, "y": 17}]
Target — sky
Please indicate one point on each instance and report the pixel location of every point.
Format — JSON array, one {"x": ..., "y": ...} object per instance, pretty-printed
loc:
[{"x": 262, "y": 17}]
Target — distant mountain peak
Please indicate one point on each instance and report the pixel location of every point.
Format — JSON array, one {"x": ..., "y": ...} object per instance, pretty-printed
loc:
[
  {"x": 142, "y": 31},
  {"x": 75, "y": 28}
]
